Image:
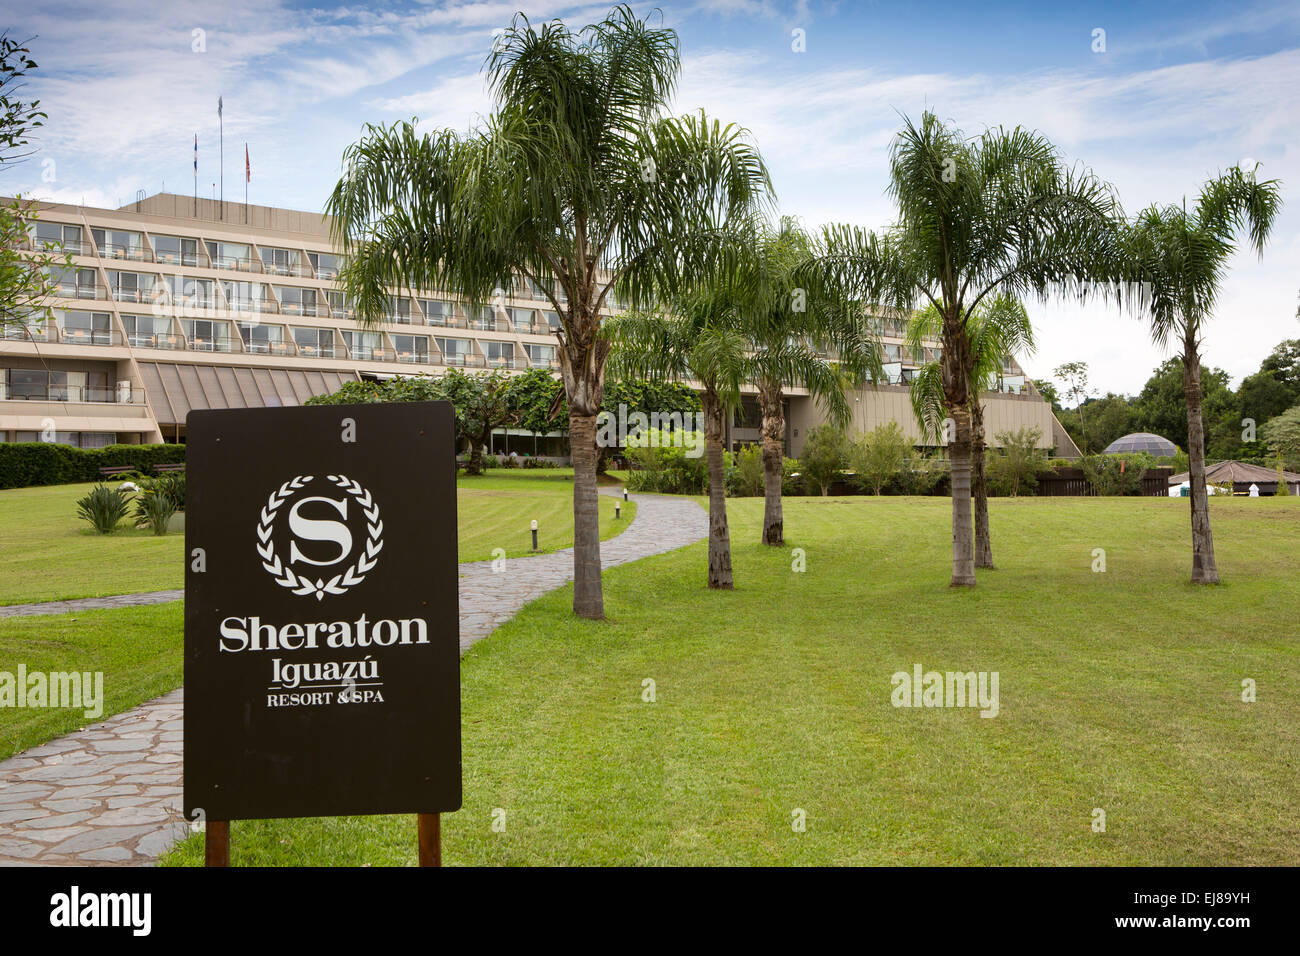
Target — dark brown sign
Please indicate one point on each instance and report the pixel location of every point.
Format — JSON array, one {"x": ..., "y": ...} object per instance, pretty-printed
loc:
[{"x": 322, "y": 667}]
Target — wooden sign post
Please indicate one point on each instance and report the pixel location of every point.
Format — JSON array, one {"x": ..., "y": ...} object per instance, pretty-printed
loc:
[{"x": 322, "y": 663}]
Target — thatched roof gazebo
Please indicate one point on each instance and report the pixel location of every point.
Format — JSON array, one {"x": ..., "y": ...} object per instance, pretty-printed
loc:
[{"x": 1242, "y": 477}]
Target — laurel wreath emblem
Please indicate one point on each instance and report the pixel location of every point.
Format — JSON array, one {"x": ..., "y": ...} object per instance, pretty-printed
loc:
[{"x": 339, "y": 583}]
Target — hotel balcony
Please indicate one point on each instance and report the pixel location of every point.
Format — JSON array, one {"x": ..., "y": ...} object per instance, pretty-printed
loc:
[
  {"x": 146, "y": 341},
  {"x": 130, "y": 253},
  {"x": 75, "y": 394}
]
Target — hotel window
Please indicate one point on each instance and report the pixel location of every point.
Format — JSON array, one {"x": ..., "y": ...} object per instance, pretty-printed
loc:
[
  {"x": 364, "y": 345},
  {"x": 189, "y": 292},
  {"x": 206, "y": 335},
  {"x": 176, "y": 250},
  {"x": 316, "y": 343},
  {"x": 456, "y": 351},
  {"x": 522, "y": 319},
  {"x": 262, "y": 339},
  {"x": 436, "y": 311},
  {"x": 399, "y": 309},
  {"x": 244, "y": 296},
  {"x": 149, "y": 332},
  {"x": 131, "y": 286},
  {"x": 116, "y": 244},
  {"x": 482, "y": 318},
  {"x": 552, "y": 320},
  {"x": 229, "y": 255},
  {"x": 277, "y": 261},
  {"x": 325, "y": 265},
  {"x": 340, "y": 307},
  {"x": 52, "y": 234},
  {"x": 541, "y": 355},
  {"x": 26, "y": 384},
  {"x": 74, "y": 283},
  {"x": 86, "y": 328},
  {"x": 893, "y": 353},
  {"x": 500, "y": 353},
  {"x": 297, "y": 301},
  {"x": 412, "y": 348}
]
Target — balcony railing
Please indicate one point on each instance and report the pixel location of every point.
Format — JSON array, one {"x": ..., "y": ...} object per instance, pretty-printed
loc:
[
  {"x": 89, "y": 337},
  {"x": 299, "y": 308},
  {"x": 413, "y": 358},
  {"x": 77, "y": 290},
  {"x": 465, "y": 359},
  {"x": 501, "y": 361},
  {"x": 28, "y": 333},
  {"x": 316, "y": 351},
  {"x": 222, "y": 344},
  {"x": 74, "y": 393},
  {"x": 237, "y": 263},
  {"x": 140, "y": 340},
  {"x": 197, "y": 259},
  {"x": 448, "y": 322},
  {"x": 269, "y": 348},
  {"x": 366, "y": 354},
  {"x": 134, "y": 253}
]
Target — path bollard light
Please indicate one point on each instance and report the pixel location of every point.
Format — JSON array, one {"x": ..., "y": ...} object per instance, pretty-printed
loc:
[
  {"x": 625, "y": 494},
  {"x": 618, "y": 508},
  {"x": 534, "y": 528}
]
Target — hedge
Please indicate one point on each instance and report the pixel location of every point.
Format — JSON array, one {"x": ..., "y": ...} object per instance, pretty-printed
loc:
[{"x": 23, "y": 464}]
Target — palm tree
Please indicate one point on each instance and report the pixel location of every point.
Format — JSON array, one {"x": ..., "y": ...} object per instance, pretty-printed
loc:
[
  {"x": 1179, "y": 258},
  {"x": 997, "y": 329},
  {"x": 793, "y": 342},
  {"x": 577, "y": 184},
  {"x": 1000, "y": 213},
  {"x": 697, "y": 340}
]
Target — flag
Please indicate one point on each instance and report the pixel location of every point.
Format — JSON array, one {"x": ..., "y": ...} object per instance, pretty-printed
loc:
[
  {"x": 196, "y": 154},
  {"x": 248, "y": 167},
  {"x": 218, "y": 106}
]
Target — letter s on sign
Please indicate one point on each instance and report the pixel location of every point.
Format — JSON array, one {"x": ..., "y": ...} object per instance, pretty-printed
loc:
[{"x": 313, "y": 530}]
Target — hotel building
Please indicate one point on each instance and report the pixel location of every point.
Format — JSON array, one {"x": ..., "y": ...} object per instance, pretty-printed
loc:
[{"x": 173, "y": 304}]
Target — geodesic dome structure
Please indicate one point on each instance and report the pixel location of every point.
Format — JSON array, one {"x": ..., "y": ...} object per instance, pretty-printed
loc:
[{"x": 1142, "y": 442}]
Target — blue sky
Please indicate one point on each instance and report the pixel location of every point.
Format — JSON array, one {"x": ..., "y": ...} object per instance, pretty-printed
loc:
[{"x": 1180, "y": 91}]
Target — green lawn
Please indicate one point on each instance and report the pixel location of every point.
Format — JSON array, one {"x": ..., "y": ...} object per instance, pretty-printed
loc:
[
  {"x": 138, "y": 650},
  {"x": 1118, "y": 690},
  {"x": 50, "y": 555}
]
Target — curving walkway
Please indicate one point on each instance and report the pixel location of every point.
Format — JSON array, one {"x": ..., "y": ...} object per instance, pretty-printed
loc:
[{"x": 111, "y": 794}]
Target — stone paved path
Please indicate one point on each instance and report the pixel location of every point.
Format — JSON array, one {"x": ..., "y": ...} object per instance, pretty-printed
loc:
[
  {"x": 91, "y": 604},
  {"x": 111, "y": 794}
]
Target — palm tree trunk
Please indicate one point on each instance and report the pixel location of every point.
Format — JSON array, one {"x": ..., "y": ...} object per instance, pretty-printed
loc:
[
  {"x": 588, "y": 600},
  {"x": 1204, "y": 570},
  {"x": 963, "y": 552},
  {"x": 770, "y": 401},
  {"x": 980, "y": 487},
  {"x": 719, "y": 536}
]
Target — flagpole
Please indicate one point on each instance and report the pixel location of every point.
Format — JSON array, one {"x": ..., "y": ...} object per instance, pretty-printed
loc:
[
  {"x": 248, "y": 174},
  {"x": 196, "y": 175},
  {"x": 221, "y": 126}
]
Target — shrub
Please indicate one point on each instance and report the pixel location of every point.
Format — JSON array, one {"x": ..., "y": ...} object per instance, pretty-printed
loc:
[
  {"x": 825, "y": 456},
  {"x": 1013, "y": 467},
  {"x": 25, "y": 464},
  {"x": 923, "y": 476},
  {"x": 877, "y": 457},
  {"x": 154, "y": 508},
  {"x": 746, "y": 479},
  {"x": 1115, "y": 474},
  {"x": 104, "y": 507},
  {"x": 664, "y": 468}
]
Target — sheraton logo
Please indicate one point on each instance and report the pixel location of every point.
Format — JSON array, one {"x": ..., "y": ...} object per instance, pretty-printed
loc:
[{"x": 328, "y": 531}]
